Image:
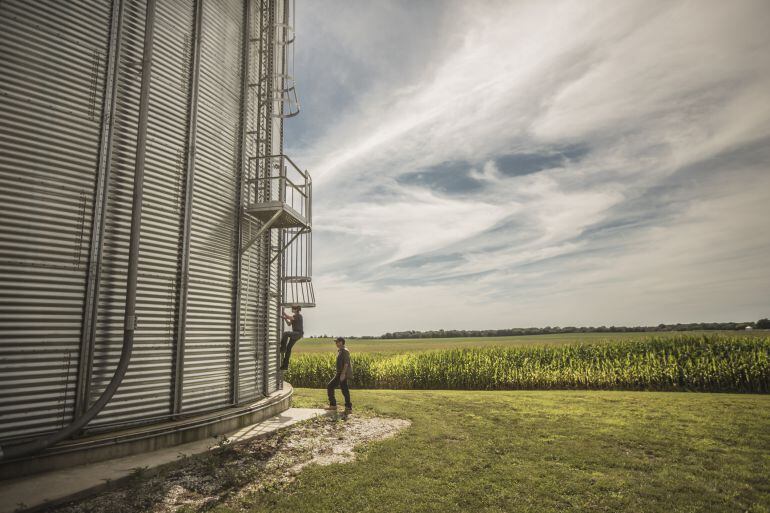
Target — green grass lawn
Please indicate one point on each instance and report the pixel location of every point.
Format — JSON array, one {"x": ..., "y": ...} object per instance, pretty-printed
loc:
[
  {"x": 395, "y": 346},
  {"x": 534, "y": 451}
]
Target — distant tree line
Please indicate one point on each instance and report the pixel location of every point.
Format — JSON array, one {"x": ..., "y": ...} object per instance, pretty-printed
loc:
[
  {"x": 762, "y": 324},
  {"x": 512, "y": 332}
]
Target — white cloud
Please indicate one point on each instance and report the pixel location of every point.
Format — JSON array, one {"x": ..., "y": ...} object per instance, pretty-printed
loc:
[
  {"x": 666, "y": 97},
  {"x": 418, "y": 223}
]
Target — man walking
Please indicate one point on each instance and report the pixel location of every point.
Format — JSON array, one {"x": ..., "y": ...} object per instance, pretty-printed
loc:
[
  {"x": 291, "y": 337},
  {"x": 342, "y": 378}
]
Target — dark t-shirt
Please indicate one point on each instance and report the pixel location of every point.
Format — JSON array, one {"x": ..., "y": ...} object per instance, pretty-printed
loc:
[
  {"x": 343, "y": 357},
  {"x": 296, "y": 323}
]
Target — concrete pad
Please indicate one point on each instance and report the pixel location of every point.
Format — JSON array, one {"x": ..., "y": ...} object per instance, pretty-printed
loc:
[{"x": 49, "y": 488}]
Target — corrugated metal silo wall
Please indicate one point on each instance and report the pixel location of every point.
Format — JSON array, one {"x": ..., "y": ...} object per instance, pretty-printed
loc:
[
  {"x": 146, "y": 390},
  {"x": 53, "y": 64},
  {"x": 117, "y": 228},
  {"x": 164, "y": 182},
  {"x": 267, "y": 288},
  {"x": 208, "y": 358},
  {"x": 276, "y": 327},
  {"x": 52, "y": 84},
  {"x": 250, "y": 364},
  {"x": 276, "y": 141}
]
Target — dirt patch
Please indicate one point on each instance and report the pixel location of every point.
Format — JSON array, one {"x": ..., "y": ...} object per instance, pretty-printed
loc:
[{"x": 232, "y": 471}]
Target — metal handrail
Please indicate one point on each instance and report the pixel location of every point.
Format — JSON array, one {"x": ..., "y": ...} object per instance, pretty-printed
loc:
[
  {"x": 304, "y": 188},
  {"x": 304, "y": 174},
  {"x": 298, "y": 188}
]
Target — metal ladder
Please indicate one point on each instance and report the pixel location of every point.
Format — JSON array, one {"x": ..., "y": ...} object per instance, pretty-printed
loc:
[
  {"x": 276, "y": 201},
  {"x": 277, "y": 87}
]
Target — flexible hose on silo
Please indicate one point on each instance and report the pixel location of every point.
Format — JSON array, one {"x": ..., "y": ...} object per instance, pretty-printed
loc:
[{"x": 19, "y": 450}]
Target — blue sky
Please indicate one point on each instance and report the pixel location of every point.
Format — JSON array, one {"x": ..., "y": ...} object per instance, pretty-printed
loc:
[{"x": 498, "y": 164}]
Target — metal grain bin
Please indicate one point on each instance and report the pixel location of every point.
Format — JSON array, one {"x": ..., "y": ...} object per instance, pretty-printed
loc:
[{"x": 204, "y": 125}]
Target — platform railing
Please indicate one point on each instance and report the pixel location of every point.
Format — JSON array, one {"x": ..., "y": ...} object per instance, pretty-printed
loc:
[{"x": 281, "y": 180}]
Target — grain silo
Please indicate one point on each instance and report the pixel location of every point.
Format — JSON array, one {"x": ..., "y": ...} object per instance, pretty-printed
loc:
[{"x": 151, "y": 228}]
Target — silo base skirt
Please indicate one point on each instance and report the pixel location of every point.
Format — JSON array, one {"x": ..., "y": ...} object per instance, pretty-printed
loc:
[{"x": 116, "y": 444}]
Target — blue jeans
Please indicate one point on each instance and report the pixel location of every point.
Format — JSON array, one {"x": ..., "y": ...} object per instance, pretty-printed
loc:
[
  {"x": 345, "y": 391},
  {"x": 287, "y": 342}
]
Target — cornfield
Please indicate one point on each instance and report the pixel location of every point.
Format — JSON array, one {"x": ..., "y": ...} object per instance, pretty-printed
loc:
[{"x": 707, "y": 363}]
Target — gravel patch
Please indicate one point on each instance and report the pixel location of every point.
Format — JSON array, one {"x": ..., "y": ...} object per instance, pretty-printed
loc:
[{"x": 232, "y": 471}]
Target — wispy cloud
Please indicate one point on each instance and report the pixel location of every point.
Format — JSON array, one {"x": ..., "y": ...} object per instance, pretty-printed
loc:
[{"x": 501, "y": 164}]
